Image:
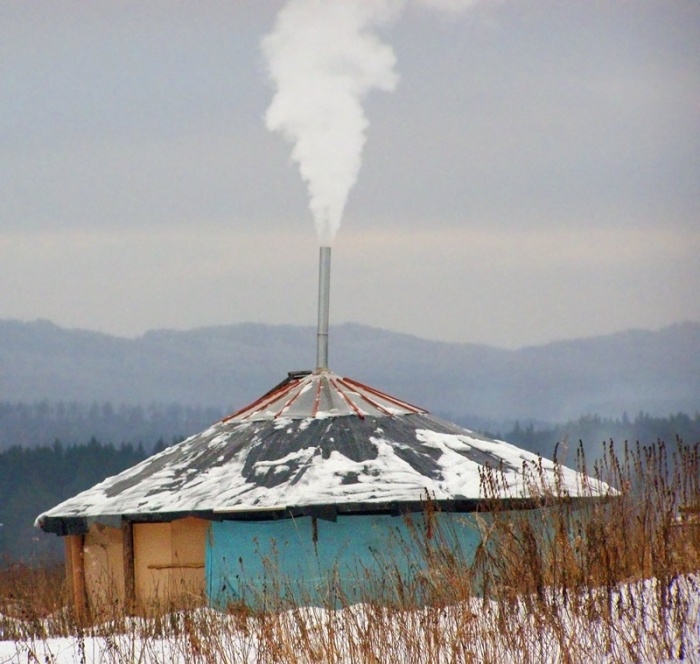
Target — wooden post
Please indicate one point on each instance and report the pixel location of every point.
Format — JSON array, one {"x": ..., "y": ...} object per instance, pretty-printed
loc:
[
  {"x": 68, "y": 558},
  {"x": 128, "y": 558},
  {"x": 75, "y": 573}
]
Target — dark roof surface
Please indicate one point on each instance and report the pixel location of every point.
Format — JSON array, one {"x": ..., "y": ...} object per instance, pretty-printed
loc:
[{"x": 315, "y": 440}]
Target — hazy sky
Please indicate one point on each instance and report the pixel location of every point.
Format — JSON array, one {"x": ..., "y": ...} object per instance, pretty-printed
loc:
[{"x": 534, "y": 176}]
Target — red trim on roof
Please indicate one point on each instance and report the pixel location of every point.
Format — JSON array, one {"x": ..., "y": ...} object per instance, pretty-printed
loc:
[
  {"x": 265, "y": 399},
  {"x": 371, "y": 402},
  {"x": 317, "y": 399},
  {"x": 358, "y": 412},
  {"x": 398, "y": 402},
  {"x": 289, "y": 402}
]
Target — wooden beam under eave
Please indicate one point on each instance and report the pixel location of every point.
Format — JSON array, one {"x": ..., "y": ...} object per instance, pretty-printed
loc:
[
  {"x": 75, "y": 574},
  {"x": 128, "y": 561}
]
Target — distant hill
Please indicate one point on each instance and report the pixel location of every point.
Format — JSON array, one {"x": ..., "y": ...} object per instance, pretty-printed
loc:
[{"x": 657, "y": 372}]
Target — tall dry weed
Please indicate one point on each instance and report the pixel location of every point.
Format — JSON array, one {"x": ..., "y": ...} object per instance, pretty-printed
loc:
[{"x": 612, "y": 578}]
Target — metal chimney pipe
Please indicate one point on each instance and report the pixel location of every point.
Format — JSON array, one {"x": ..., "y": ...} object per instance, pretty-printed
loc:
[{"x": 324, "y": 292}]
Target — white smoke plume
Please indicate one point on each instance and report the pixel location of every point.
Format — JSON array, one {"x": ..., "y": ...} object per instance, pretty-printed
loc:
[
  {"x": 324, "y": 57},
  {"x": 454, "y": 6}
]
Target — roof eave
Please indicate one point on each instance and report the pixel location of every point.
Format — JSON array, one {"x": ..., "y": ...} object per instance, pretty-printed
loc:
[{"x": 78, "y": 525}]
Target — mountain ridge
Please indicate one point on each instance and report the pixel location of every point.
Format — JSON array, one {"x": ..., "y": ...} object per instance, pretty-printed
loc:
[{"x": 655, "y": 371}]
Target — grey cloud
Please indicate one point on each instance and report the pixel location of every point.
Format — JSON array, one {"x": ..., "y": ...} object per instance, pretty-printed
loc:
[{"x": 515, "y": 120}]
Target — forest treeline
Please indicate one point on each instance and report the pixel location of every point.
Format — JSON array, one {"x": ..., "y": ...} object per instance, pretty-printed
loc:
[
  {"x": 42, "y": 422},
  {"x": 35, "y": 478},
  {"x": 594, "y": 431}
]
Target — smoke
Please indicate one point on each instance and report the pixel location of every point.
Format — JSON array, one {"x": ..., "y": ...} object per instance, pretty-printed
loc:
[
  {"x": 324, "y": 57},
  {"x": 453, "y": 6}
]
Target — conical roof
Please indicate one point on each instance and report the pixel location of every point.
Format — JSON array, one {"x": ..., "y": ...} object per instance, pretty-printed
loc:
[
  {"x": 319, "y": 395},
  {"x": 318, "y": 444}
]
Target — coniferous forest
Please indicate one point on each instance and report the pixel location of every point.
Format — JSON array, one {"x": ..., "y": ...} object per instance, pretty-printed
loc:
[
  {"x": 50, "y": 451},
  {"x": 40, "y": 423},
  {"x": 34, "y": 478}
]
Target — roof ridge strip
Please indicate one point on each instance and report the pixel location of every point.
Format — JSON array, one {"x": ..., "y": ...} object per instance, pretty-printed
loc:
[
  {"x": 264, "y": 399},
  {"x": 347, "y": 399},
  {"x": 290, "y": 401},
  {"x": 372, "y": 403},
  {"x": 394, "y": 400},
  {"x": 317, "y": 399}
]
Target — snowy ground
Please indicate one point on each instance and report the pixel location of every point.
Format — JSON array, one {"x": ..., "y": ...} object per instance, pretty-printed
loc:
[{"x": 630, "y": 624}]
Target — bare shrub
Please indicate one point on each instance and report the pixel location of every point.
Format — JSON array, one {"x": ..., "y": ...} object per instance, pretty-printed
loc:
[{"x": 610, "y": 578}]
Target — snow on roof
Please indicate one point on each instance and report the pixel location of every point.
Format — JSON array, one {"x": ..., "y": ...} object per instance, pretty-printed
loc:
[{"x": 319, "y": 440}]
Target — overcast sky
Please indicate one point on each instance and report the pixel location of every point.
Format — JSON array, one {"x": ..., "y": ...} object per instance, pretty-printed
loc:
[{"x": 534, "y": 176}]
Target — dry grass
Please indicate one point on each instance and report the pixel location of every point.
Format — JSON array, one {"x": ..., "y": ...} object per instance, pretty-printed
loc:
[
  {"x": 607, "y": 580},
  {"x": 32, "y": 598}
]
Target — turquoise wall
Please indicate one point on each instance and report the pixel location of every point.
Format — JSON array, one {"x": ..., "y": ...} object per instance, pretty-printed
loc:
[{"x": 317, "y": 562}]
